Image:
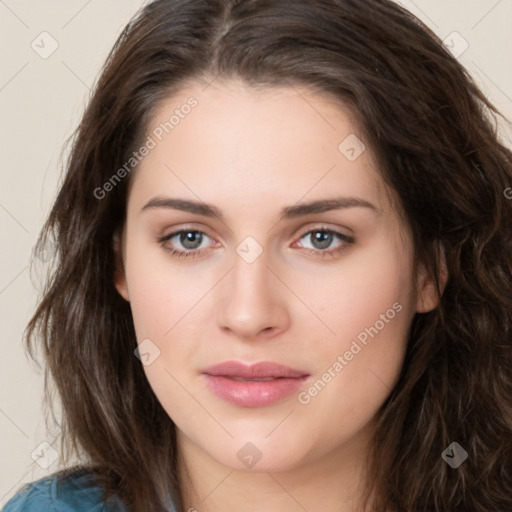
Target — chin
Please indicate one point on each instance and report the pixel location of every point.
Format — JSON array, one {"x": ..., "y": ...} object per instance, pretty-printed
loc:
[{"x": 259, "y": 455}]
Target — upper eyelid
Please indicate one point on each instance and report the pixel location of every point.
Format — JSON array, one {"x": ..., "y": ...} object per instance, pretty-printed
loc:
[
  {"x": 298, "y": 236},
  {"x": 336, "y": 231}
]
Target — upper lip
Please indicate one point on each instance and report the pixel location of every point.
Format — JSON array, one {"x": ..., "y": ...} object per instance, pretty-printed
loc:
[{"x": 262, "y": 370}]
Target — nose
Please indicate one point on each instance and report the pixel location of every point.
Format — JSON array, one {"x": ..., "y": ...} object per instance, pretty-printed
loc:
[{"x": 253, "y": 300}]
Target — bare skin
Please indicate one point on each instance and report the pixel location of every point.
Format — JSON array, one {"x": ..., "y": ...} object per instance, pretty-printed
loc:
[{"x": 251, "y": 153}]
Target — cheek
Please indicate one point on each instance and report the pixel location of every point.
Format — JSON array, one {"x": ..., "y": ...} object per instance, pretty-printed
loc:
[
  {"x": 161, "y": 304},
  {"x": 364, "y": 287},
  {"x": 369, "y": 305},
  {"x": 165, "y": 302},
  {"x": 160, "y": 295}
]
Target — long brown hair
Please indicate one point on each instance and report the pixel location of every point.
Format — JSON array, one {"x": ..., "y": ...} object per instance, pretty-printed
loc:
[{"x": 433, "y": 132}]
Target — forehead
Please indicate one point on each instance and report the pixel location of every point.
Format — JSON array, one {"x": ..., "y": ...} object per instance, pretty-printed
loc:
[{"x": 241, "y": 142}]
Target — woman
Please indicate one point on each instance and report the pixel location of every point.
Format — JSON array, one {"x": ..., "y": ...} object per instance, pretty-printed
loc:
[{"x": 283, "y": 277}]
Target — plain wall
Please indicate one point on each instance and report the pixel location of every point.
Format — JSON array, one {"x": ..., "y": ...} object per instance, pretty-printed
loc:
[{"x": 41, "y": 101}]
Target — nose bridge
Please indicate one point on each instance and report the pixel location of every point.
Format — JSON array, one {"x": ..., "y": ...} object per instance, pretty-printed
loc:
[
  {"x": 251, "y": 300},
  {"x": 250, "y": 274}
]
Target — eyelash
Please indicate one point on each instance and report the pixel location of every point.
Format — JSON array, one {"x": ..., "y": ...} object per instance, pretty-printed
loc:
[{"x": 332, "y": 253}]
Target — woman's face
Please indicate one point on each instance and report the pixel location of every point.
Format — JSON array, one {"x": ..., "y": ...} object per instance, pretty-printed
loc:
[{"x": 304, "y": 264}]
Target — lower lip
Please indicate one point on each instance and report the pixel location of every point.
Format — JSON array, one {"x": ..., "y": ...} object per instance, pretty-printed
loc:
[{"x": 253, "y": 393}]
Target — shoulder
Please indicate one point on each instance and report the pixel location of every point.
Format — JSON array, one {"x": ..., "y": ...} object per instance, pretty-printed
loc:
[{"x": 70, "y": 492}]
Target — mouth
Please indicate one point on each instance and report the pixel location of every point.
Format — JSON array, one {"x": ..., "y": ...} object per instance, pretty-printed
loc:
[
  {"x": 241, "y": 379},
  {"x": 253, "y": 385}
]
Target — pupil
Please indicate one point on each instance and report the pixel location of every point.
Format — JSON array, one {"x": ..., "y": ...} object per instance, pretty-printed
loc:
[
  {"x": 323, "y": 238},
  {"x": 190, "y": 239}
]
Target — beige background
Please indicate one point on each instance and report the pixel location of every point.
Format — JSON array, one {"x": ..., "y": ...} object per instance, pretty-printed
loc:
[{"x": 41, "y": 100}]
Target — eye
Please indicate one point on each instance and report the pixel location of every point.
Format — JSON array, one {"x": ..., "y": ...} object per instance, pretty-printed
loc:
[
  {"x": 322, "y": 239},
  {"x": 191, "y": 240}
]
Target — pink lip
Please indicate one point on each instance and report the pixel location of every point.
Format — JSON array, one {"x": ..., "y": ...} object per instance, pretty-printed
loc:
[{"x": 250, "y": 392}]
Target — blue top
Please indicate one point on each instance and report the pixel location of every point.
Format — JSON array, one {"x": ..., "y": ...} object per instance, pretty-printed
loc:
[{"x": 74, "y": 493}]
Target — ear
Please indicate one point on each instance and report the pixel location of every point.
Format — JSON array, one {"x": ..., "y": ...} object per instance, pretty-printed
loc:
[
  {"x": 119, "y": 272},
  {"x": 427, "y": 294}
]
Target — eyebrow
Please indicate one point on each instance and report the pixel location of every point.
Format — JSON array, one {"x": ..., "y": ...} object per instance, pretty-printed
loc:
[{"x": 289, "y": 212}]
